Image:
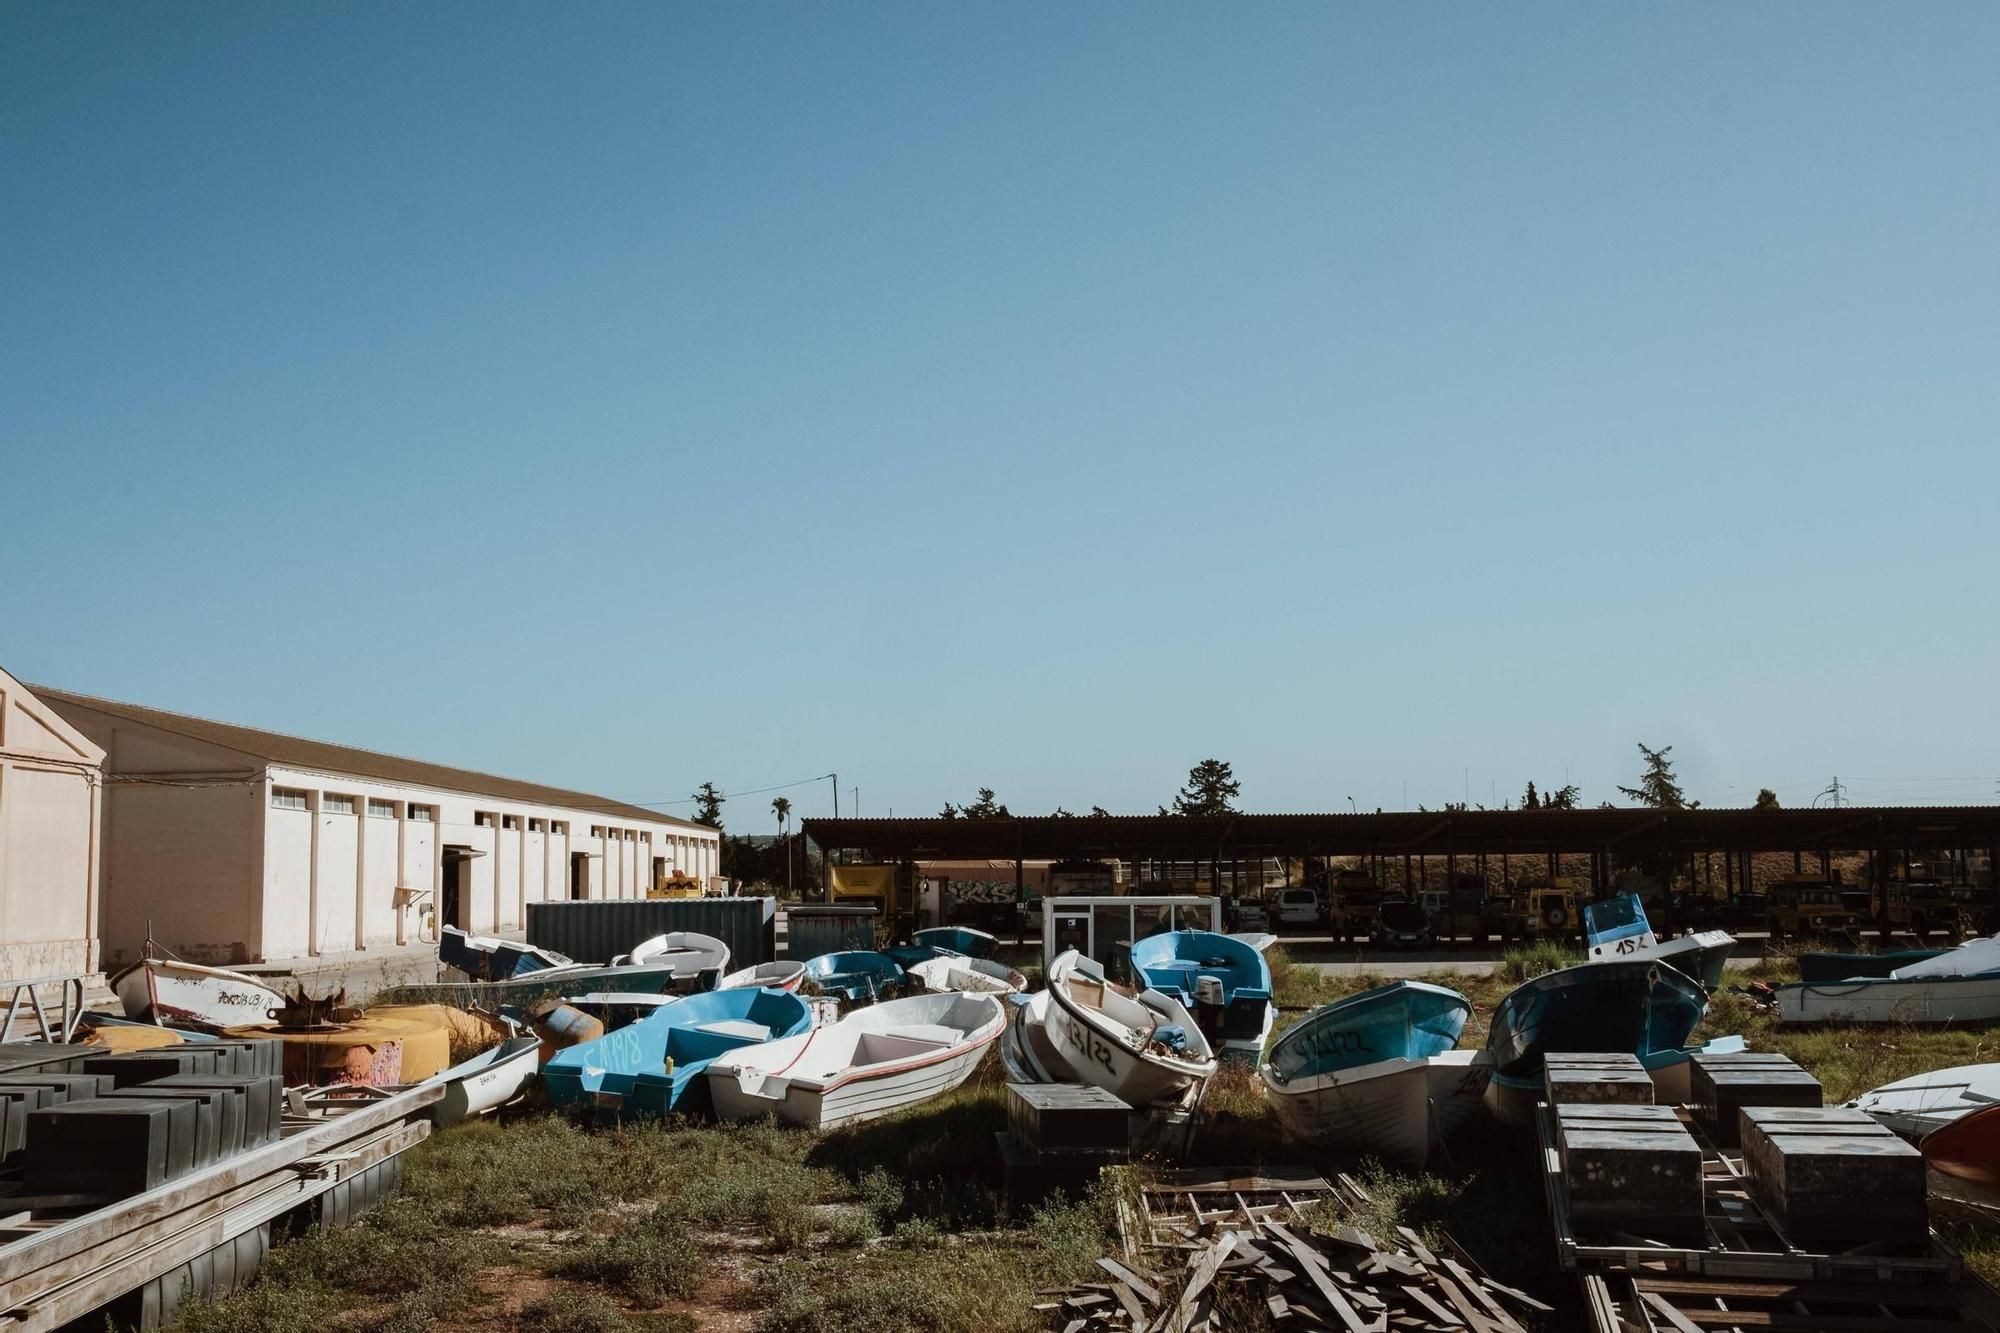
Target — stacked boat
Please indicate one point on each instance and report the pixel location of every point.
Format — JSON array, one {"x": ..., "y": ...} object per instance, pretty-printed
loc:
[
  {"x": 1617, "y": 930},
  {"x": 1952, "y": 1115},
  {"x": 1222, "y": 980},
  {"x": 504, "y": 971},
  {"x": 1958, "y": 985},
  {"x": 1378, "y": 1073}
]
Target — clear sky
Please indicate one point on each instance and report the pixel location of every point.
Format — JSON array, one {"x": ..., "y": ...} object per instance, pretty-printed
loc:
[{"x": 1399, "y": 402}]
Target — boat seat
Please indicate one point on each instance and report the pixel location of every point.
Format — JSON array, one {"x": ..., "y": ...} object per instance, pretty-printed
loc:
[
  {"x": 935, "y": 1033},
  {"x": 736, "y": 1027},
  {"x": 903, "y": 1043}
]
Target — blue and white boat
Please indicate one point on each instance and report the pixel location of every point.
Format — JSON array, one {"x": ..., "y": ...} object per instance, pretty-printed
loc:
[
  {"x": 1223, "y": 981},
  {"x": 1379, "y": 1073},
  {"x": 1617, "y": 929},
  {"x": 648, "y": 1065},
  {"x": 1636, "y": 1006},
  {"x": 489, "y": 958},
  {"x": 1960, "y": 985},
  {"x": 855, "y": 974},
  {"x": 958, "y": 939}
]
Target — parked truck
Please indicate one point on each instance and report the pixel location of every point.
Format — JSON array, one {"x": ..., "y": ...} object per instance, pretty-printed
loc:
[{"x": 1354, "y": 903}]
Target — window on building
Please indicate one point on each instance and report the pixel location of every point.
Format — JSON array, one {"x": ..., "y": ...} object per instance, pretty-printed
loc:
[
  {"x": 482, "y": 818},
  {"x": 423, "y": 814},
  {"x": 332, "y": 804},
  {"x": 538, "y": 826},
  {"x": 645, "y": 835},
  {"x": 559, "y": 826},
  {"x": 287, "y": 798},
  {"x": 597, "y": 830},
  {"x": 510, "y": 822},
  {"x": 381, "y": 809}
]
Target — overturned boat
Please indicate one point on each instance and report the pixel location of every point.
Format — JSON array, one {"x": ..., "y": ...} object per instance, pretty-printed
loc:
[
  {"x": 1378, "y": 1073},
  {"x": 956, "y": 972},
  {"x": 1640, "y": 1007},
  {"x": 1960, "y": 985},
  {"x": 1220, "y": 979},
  {"x": 649, "y": 1065},
  {"x": 490, "y": 958},
  {"x": 1617, "y": 929},
  {"x": 1143, "y": 1049},
  {"x": 873, "y": 1062},
  {"x": 166, "y": 990},
  {"x": 779, "y": 974}
]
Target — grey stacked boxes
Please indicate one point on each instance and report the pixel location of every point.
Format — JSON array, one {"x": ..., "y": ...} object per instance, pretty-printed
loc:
[
  {"x": 1629, "y": 1168},
  {"x": 1615, "y": 1079},
  {"x": 1832, "y": 1174},
  {"x": 54, "y": 1057},
  {"x": 1068, "y": 1118},
  {"x": 131, "y": 1068},
  {"x": 215, "y": 1110},
  {"x": 109, "y": 1147},
  {"x": 1724, "y": 1085},
  {"x": 61, "y": 1087},
  {"x": 257, "y": 1102},
  {"x": 248, "y": 1055}
]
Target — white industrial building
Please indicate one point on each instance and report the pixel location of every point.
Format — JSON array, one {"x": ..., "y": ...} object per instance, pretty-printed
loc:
[
  {"x": 49, "y": 818},
  {"x": 232, "y": 845}
]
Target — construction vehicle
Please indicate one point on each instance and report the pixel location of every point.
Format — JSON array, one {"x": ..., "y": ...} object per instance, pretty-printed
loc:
[
  {"x": 679, "y": 884},
  {"x": 1354, "y": 903},
  {"x": 1810, "y": 908}
]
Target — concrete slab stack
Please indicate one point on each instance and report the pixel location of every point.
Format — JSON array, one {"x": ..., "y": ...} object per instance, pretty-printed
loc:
[
  {"x": 1832, "y": 1175},
  {"x": 1616, "y": 1079},
  {"x": 1629, "y": 1168},
  {"x": 1723, "y": 1085}
]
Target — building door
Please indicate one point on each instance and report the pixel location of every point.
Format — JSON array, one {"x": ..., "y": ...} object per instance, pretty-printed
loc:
[
  {"x": 456, "y": 909},
  {"x": 579, "y": 876}
]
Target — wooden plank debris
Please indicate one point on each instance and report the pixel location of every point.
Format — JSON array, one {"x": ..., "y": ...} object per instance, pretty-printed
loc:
[{"x": 1224, "y": 1243}]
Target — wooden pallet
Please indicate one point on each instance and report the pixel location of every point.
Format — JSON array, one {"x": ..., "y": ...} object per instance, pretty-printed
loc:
[
  {"x": 60, "y": 1263},
  {"x": 1743, "y": 1241},
  {"x": 1625, "y": 1303}
]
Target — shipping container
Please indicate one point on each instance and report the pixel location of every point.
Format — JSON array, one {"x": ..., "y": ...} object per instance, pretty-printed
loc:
[
  {"x": 596, "y": 932},
  {"x": 812, "y": 929}
]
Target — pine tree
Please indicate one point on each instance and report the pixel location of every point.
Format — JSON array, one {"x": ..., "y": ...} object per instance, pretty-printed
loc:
[
  {"x": 1658, "y": 787},
  {"x": 1211, "y": 787},
  {"x": 708, "y": 805},
  {"x": 1529, "y": 799}
]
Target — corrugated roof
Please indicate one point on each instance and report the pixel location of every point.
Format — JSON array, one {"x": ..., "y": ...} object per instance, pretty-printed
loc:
[{"x": 324, "y": 756}]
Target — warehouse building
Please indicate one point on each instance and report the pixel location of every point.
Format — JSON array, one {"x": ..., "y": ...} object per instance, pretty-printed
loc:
[
  {"x": 49, "y": 820},
  {"x": 231, "y": 845}
]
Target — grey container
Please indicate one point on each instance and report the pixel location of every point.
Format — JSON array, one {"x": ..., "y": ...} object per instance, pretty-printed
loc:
[
  {"x": 812, "y": 929},
  {"x": 596, "y": 932}
]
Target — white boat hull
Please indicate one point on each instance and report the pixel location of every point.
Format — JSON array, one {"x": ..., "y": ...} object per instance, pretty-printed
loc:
[
  {"x": 1118, "y": 1057},
  {"x": 784, "y": 975},
  {"x": 1458, "y": 1081},
  {"x": 1377, "y": 1110},
  {"x": 488, "y": 1087},
  {"x": 1914, "y": 1107},
  {"x": 951, "y": 973},
  {"x": 164, "y": 990},
  {"x": 1929, "y": 1000},
  {"x": 871, "y": 1063}
]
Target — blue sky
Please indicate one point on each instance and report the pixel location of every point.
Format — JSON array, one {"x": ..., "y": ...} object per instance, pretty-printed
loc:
[{"x": 1398, "y": 402}]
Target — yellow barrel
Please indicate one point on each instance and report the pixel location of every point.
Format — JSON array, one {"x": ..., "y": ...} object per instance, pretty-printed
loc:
[{"x": 395, "y": 1044}]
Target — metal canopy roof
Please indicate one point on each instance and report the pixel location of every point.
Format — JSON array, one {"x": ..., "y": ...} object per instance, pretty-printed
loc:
[{"x": 1434, "y": 833}]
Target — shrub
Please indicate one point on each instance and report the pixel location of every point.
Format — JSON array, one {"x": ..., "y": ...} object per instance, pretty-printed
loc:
[
  {"x": 651, "y": 1260},
  {"x": 1525, "y": 963},
  {"x": 567, "y": 1311}
]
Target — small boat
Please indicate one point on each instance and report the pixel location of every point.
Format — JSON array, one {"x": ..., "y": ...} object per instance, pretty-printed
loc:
[
  {"x": 1632, "y": 1005},
  {"x": 858, "y": 974},
  {"x": 1376, "y": 1073},
  {"x": 486, "y": 1082},
  {"x": 1025, "y": 1047},
  {"x": 1223, "y": 981},
  {"x": 617, "y": 1009},
  {"x": 1921, "y": 1105},
  {"x": 1143, "y": 1049},
  {"x": 1819, "y": 968},
  {"x": 1967, "y": 1148},
  {"x": 779, "y": 974},
  {"x": 1617, "y": 929},
  {"x": 872, "y": 1062},
  {"x": 956, "y": 972},
  {"x": 647, "y": 1066},
  {"x": 957, "y": 939},
  {"x": 689, "y": 953},
  {"x": 554, "y": 982},
  {"x": 490, "y": 958},
  {"x": 166, "y": 990},
  {"x": 1959, "y": 985}
]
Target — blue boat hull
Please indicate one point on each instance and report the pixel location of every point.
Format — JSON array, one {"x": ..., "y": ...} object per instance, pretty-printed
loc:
[
  {"x": 650, "y": 1065},
  {"x": 1639, "y": 1007},
  {"x": 1404, "y": 1020},
  {"x": 854, "y": 975}
]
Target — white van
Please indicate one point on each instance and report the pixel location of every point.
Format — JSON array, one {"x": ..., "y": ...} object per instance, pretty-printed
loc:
[{"x": 1298, "y": 907}]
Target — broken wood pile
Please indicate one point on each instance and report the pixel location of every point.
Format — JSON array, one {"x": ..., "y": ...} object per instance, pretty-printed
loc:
[{"x": 1230, "y": 1269}]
